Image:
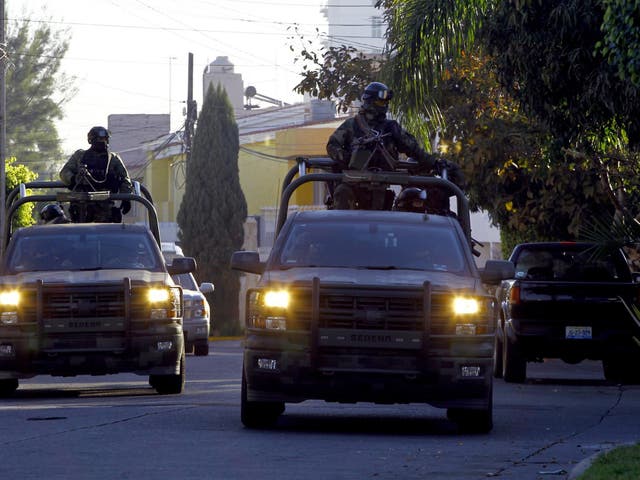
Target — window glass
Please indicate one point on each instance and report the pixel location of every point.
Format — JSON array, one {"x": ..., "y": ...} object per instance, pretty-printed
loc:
[
  {"x": 365, "y": 245},
  {"x": 185, "y": 280},
  {"x": 73, "y": 251}
]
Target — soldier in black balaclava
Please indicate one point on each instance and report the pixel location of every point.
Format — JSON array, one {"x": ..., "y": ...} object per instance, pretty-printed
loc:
[
  {"x": 97, "y": 169},
  {"x": 370, "y": 141}
]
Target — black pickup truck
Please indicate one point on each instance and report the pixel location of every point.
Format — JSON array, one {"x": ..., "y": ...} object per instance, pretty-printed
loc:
[
  {"x": 370, "y": 306},
  {"x": 569, "y": 301}
]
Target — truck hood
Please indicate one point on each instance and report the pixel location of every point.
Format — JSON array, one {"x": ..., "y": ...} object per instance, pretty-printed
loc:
[
  {"x": 87, "y": 276},
  {"x": 369, "y": 277}
]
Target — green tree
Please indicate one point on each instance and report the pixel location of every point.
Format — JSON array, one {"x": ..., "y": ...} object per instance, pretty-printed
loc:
[
  {"x": 544, "y": 126},
  {"x": 36, "y": 93},
  {"x": 213, "y": 210},
  {"x": 16, "y": 174}
]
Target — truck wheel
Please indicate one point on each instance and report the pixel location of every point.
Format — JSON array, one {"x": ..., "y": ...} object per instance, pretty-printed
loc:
[
  {"x": 201, "y": 349},
  {"x": 620, "y": 370},
  {"x": 8, "y": 386},
  {"x": 497, "y": 357},
  {"x": 471, "y": 421},
  {"x": 514, "y": 366},
  {"x": 258, "y": 414},
  {"x": 170, "y": 384}
]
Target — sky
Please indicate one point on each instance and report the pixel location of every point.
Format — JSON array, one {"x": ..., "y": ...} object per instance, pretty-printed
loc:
[{"x": 131, "y": 56}]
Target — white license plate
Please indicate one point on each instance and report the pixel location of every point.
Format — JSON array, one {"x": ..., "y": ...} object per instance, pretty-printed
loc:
[{"x": 578, "y": 332}]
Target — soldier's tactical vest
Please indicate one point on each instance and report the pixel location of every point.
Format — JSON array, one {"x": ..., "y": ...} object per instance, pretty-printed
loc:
[
  {"x": 373, "y": 154},
  {"x": 98, "y": 165}
]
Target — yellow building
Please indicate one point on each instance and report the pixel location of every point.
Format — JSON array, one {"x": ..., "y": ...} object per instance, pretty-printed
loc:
[{"x": 265, "y": 157}]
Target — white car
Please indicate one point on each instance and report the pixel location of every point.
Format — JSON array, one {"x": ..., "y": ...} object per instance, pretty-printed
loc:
[{"x": 197, "y": 313}]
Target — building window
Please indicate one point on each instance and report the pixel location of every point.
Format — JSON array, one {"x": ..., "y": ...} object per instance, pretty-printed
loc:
[{"x": 376, "y": 27}]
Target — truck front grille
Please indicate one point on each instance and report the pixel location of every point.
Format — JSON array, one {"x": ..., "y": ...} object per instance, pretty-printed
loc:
[{"x": 355, "y": 309}]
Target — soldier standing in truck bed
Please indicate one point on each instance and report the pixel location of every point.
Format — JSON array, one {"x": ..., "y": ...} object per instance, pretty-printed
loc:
[{"x": 97, "y": 169}]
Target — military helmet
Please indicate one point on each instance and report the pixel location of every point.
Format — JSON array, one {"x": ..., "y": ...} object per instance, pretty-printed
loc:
[
  {"x": 411, "y": 199},
  {"x": 376, "y": 92},
  {"x": 51, "y": 212},
  {"x": 98, "y": 134}
]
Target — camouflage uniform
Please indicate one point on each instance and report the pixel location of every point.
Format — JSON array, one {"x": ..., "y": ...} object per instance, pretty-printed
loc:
[
  {"x": 348, "y": 146},
  {"x": 107, "y": 172}
]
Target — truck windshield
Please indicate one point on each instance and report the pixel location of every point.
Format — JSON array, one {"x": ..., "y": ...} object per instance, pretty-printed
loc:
[
  {"x": 367, "y": 245},
  {"x": 82, "y": 251}
]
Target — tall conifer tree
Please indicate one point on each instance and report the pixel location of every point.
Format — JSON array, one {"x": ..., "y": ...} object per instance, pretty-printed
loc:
[{"x": 213, "y": 210}]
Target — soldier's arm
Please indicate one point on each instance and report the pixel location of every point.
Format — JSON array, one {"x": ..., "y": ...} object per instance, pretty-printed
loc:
[
  {"x": 121, "y": 173},
  {"x": 339, "y": 144},
  {"x": 408, "y": 145},
  {"x": 70, "y": 169}
]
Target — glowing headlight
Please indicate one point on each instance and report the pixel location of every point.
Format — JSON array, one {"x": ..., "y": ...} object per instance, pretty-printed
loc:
[
  {"x": 465, "y": 306},
  {"x": 9, "y": 298},
  {"x": 276, "y": 299},
  {"x": 157, "y": 295}
]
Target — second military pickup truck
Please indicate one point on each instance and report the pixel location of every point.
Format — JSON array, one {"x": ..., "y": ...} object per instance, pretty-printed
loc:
[
  {"x": 370, "y": 306},
  {"x": 569, "y": 301}
]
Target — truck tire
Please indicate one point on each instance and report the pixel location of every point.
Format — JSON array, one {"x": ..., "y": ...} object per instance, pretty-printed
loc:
[
  {"x": 497, "y": 357},
  {"x": 170, "y": 384},
  {"x": 258, "y": 414},
  {"x": 620, "y": 370},
  {"x": 201, "y": 349},
  {"x": 514, "y": 365},
  {"x": 472, "y": 420},
  {"x": 8, "y": 386}
]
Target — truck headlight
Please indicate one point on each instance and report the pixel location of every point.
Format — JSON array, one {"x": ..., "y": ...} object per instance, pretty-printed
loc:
[
  {"x": 276, "y": 299},
  {"x": 9, "y": 298},
  {"x": 268, "y": 309},
  {"x": 165, "y": 302},
  {"x": 158, "y": 295},
  {"x": 465, "y": 306}
]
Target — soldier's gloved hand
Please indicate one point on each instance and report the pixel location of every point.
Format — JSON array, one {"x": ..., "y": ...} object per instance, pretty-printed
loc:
[
  {"x": 453, "y": 171},
  {"x": 125, "y": 207}
]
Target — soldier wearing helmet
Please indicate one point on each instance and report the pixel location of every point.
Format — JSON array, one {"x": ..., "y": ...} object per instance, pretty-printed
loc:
[
  {"x": 371, "y": 141},
  {"x": 53, "y": 214},
  {"x": 98, "y": 169}
]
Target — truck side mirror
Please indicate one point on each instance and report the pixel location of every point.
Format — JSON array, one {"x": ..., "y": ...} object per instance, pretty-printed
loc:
[{"x": 497, "y": 270}]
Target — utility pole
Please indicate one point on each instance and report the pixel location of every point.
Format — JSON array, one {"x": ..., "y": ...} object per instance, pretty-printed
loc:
[
  {"x": 3, "y": 120},
  {"x": 192, "y": 110}
]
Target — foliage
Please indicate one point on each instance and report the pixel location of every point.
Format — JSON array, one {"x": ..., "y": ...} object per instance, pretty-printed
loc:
[
  {"x": 621, "y": 463},
  {"x": 424, "y": 38},
  {"x": 529, "y": 107},
  {"x": 15, "y": 174},
  {"x": 546, "y": 56},
  {"x": 36, "y": 93},
  {"x": 213, "y": 210},
  {"x": 621, "y": 42},
  {"x": 334, "y": 73}
]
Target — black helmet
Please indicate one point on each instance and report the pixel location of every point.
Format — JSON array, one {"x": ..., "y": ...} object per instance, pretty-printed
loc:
[
  {"x": 51, "y": 212},
  {"x": 411, "y": 199},
  {"x": 375, "y": 100},
  {"x": 98, "y": 134}
]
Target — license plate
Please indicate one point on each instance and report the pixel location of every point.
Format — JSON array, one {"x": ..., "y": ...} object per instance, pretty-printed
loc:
[{"x": 578, "y": 333}]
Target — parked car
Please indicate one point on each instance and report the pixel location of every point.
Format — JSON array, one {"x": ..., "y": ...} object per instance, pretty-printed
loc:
[
  {"x": 197, "y": 313},
  {"x": 567, "y": 302}
]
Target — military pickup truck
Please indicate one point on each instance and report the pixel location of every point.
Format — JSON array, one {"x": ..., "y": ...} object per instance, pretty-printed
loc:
[
  {"x": 568, "y": 301},
  {"x": 369, "y": 306},
  {"x": 88, "y": 298}
]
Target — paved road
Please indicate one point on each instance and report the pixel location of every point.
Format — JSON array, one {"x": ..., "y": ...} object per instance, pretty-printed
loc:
[{"x": 117, "y": 427}]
